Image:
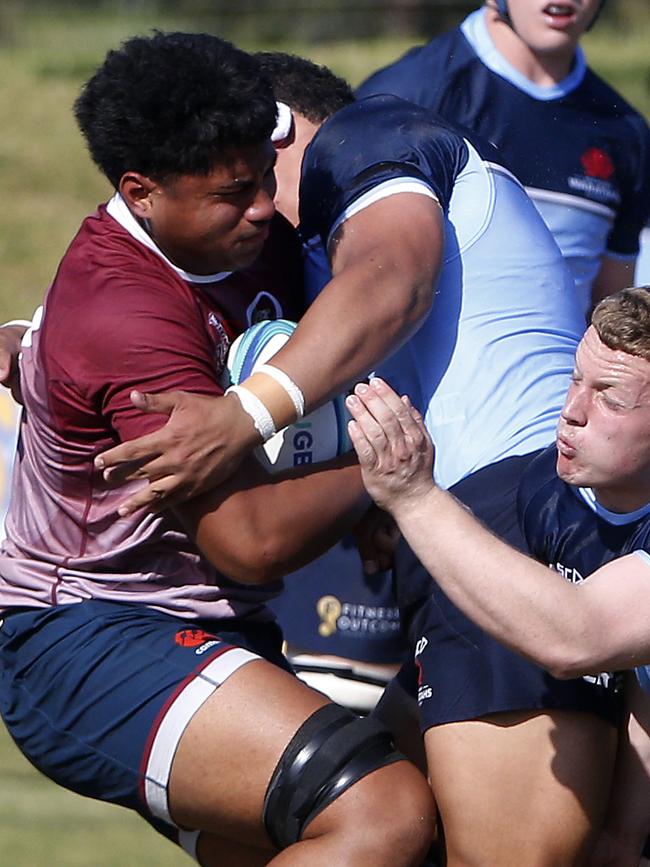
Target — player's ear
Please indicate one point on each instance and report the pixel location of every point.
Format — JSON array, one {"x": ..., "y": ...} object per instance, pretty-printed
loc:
[{"x": 137, "y": 191}]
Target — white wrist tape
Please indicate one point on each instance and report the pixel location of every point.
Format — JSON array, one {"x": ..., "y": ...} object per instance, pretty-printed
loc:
[
  {"x": 283, "y": 379},
  {"x": 251, "y": 404}
]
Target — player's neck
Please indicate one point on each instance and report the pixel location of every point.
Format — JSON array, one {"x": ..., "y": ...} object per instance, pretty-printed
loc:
[
  {"x": 544, "y": 69},
  {"x": 622, "y": 500}
]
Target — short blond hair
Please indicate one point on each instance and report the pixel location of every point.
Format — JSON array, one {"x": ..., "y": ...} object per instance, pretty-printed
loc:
[{"x": 622, "y": 321}]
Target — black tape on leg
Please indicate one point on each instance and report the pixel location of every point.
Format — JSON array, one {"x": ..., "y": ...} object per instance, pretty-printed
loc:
[{"x": 330, "y": 751}]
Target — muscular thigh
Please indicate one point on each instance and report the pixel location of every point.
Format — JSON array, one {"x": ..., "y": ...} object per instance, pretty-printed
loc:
[
  {"x": 231, "y": 747},
  {"x": 521, "y": 789},
  {"x": 98, "y": 694}
]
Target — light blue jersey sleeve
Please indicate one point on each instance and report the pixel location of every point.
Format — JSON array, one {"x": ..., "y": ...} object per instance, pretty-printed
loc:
[{"x": 490, "y": 366}]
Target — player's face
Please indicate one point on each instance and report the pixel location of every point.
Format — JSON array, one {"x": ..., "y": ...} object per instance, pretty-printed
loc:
[
  {"x": 603, "y": 438},
  {"x": 287, "y": 169},
  {"x": 219, "y": 221},
  {"x": 550, "y": 27}
]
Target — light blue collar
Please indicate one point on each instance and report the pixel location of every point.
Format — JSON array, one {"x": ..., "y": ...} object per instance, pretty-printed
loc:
[
  {"x": 475, "y": 30},
  {"x": 618, "y": 519}
]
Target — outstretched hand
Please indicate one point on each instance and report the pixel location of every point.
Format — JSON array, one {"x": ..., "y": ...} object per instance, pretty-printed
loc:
[
  {"x": 394, "y": 450},
  {"x": 202, "y": 443}
]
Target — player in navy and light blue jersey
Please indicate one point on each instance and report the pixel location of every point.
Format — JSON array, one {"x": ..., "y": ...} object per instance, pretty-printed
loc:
[
  {"x": 584, "y": 505},
  {"x": 491, "y": 321},
  {"x": 488, "y": 367},
  {"x": 519, "y": 79}
]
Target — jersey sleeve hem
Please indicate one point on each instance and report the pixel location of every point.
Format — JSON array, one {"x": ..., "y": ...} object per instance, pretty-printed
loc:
[
  {"x": 643, "y": 555},
  {"x": 382, "y": 191}
]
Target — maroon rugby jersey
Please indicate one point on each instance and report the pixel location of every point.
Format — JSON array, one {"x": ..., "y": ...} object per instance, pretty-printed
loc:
[{"x": 119, "y": 316}]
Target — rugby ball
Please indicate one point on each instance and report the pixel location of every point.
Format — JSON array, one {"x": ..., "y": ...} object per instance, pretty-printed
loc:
[{"x": 319, "y": 436}]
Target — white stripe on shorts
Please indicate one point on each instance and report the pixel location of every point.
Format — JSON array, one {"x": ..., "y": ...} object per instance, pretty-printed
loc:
[
  {"x": 175, "y": 721},
  {"x": 189, "y": 840}
]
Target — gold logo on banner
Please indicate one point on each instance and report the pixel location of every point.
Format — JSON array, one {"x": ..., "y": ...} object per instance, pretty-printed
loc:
[{"x": 329, "y": 611}]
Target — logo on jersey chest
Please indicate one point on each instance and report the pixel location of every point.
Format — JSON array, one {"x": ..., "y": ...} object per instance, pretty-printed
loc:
[
  {"x": 264, "y": 306},
  {"x": 569, "y": 572},
  {"x": 597, "y": 180},
  {"x": 221, "y": 341},
  {"x": 597, "y": 164}
]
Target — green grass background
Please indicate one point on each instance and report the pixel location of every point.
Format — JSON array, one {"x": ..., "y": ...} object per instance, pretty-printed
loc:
[
  {"x": 42, "y": 825},
  {"x": 47, "y": 182},
  {"x": 47, "y": 185}
]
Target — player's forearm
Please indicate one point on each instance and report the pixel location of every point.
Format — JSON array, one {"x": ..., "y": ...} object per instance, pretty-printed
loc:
[
  {"x": 520, "y": 602},
  {"x": 259, "y": 533}
]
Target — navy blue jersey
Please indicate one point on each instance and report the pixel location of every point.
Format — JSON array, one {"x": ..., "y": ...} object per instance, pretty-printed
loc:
[
  {"x": 369, "y": 143},
  {"x": 580, "y": 150},
  {"x": 566, "y": 528},
  {"x": 490, "y": 365}
]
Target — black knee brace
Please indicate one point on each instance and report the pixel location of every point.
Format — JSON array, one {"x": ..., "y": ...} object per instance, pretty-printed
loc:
[{"x": 331, "y": 750}]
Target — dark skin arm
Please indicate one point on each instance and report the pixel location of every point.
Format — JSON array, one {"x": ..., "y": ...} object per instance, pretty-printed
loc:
[
  {"x": 255, "y": 528},
  {"x": 10, "y": 338},
  {"x": 613, "y": 275},
  {"x": 385, "y": 261}
]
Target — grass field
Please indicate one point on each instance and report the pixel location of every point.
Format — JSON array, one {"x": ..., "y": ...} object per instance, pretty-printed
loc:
[
  {"x": 48, "y": 184},
  {"x": 42, "y": 825}
]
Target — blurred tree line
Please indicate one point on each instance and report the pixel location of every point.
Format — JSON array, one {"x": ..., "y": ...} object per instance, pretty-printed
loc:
[
  {"x": 302, "y": 20},
  {"x": 316, "y": 20},
  {"x": 273, "y": 20}
]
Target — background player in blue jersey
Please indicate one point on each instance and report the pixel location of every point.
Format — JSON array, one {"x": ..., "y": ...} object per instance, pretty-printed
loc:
[
  {"x": 514, "y": 72},
  {"x": 489, "y": 367},
  {"x": 585, "y": 512}
]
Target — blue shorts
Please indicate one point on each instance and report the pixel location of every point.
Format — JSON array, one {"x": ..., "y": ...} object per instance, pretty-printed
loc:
[
  {"x": 97, "y": 694},
  {"x": 457, "y": 671}
]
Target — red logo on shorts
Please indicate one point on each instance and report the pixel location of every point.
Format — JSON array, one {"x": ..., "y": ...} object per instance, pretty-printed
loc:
[
  {"x": 192, "y": 637},
  {"x": 597, "y": 164}
]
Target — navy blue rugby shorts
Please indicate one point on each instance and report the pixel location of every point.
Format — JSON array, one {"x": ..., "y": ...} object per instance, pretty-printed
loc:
[
  {"x": 97, "y": 694},
  {"x": 455, "y": 670}
]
